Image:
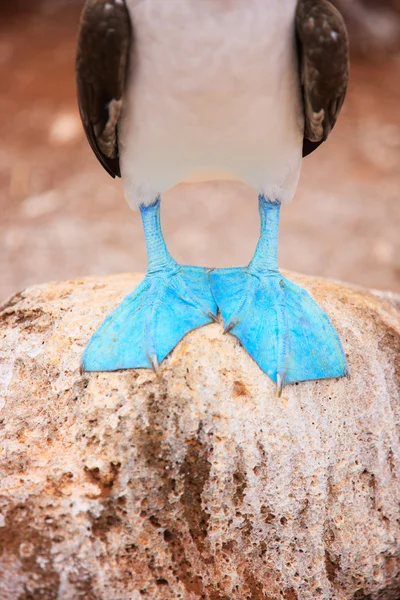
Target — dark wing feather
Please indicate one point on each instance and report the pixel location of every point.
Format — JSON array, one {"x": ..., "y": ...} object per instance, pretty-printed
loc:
[
  {"x": 104, "y": 42},
  {"x": 324, "y": 67}
]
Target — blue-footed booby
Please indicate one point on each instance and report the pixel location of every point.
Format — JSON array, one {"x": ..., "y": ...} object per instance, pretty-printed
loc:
[{"x": 171, "y": 90}]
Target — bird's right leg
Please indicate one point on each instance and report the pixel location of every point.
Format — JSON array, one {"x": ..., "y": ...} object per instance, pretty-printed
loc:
[
  {"x": 277, "y": 322},
  {"x": 171, "y": 301}
]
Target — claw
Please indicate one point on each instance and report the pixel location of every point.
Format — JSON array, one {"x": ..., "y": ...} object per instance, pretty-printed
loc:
[
  {"x": 229, "y": 327},
  {"x": 213, "y": 317},
  {"x": 155, "y": 365},
  {"x": 280, "y": 383}
]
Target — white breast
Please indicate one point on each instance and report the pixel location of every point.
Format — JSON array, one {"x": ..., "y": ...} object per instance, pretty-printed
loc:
[{"x": 214, "y": 93}]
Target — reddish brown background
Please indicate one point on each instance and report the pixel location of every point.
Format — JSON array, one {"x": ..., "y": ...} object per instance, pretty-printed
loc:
[{"x": 63, "y": 217}]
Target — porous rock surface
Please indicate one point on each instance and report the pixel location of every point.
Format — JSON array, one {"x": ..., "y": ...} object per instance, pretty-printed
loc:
[{"x": 199, "y": 482}]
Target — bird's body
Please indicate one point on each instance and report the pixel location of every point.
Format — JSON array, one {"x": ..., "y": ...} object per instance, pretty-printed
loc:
[
  {"x": 216, "y": 96},
  {"x": 171, "y": 90}
]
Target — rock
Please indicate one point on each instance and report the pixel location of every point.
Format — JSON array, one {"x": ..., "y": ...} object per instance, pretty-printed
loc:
[{"x": 199, "y": 483}]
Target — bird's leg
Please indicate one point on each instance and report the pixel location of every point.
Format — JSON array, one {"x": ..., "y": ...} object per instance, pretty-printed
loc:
[
  {"x": 171, "y": 301},
  {"x": 276, "y": 321}
]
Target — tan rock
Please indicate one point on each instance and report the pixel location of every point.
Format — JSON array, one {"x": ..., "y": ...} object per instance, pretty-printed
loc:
[{"x": 199, "y": 483}]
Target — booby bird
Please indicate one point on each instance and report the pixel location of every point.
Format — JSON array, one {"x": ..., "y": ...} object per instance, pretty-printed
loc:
[{"x": 171, "y": 90}]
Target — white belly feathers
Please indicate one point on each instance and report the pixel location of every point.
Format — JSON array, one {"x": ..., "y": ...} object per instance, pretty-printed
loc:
[{"x": 213, "y": 94}]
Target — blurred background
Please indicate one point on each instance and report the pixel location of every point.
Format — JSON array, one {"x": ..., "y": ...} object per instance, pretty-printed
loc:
[{"x": 62, "y": 216}]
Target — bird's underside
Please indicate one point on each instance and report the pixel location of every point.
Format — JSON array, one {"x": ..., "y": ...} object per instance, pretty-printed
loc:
[
  {"x": 105, "y": 69},
  {"x": 164, "y": 89}
]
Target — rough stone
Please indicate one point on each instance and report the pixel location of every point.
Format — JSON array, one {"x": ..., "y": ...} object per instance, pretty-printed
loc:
[{"x": 199, "y": 482}]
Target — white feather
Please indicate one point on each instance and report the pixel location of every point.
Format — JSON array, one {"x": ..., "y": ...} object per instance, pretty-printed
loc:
[{"x": 214, "y": 93}]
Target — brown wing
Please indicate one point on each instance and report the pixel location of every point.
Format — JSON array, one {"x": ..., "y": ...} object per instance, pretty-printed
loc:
[
  {"x": 324, "y": 67},
  {"x": 104, "y": 44}
]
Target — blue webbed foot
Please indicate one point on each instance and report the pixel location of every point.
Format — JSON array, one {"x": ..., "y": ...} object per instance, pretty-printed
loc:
[
  {"x": 150, "y": 322},
  {"x": 279, "y": 324},
  {"x": 171, "y": 301}
]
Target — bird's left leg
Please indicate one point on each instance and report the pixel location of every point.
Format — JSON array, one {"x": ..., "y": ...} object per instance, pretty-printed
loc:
[
  {"x": 276, "y": 321},
  {"x": 171, "y": 301}
]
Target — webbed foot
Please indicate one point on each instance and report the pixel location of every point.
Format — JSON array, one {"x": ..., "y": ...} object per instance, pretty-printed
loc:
[
  {"x": 279, "y": 324},
  {"x": 151, "y": 321},
  {"x": 171, "y": 301}
]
